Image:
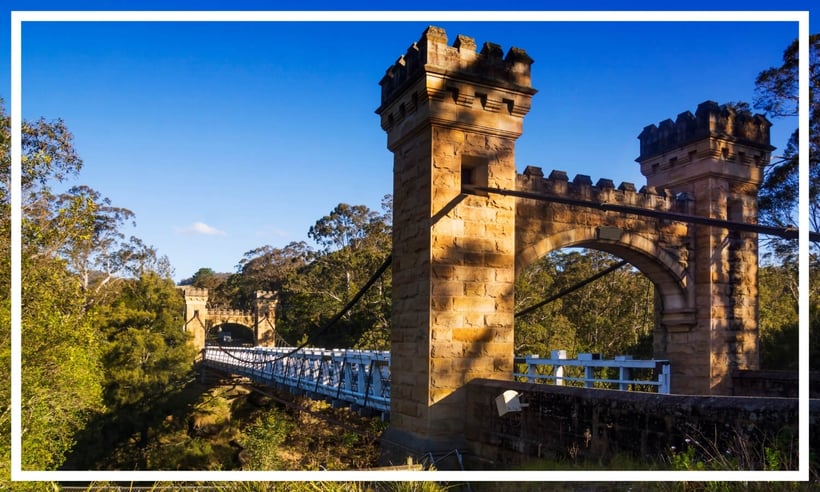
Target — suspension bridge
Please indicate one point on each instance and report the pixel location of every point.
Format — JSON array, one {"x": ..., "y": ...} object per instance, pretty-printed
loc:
[
  {"x": 465, "y": 222},
  {"x": 360, "y": 379}
]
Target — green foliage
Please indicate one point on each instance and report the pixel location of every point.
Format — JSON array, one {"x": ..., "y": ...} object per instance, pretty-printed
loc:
[
  {"x": 687, "y": 460},
  {"x": 264, "y": 268},
  {"x": 546, "y": 328},
  {"x": 778, "y": 301},
  {"x": 74, "y": 257},
  {"x": 189, "y": 454},
  {"x": 777, "y": 95},
  {"x": 146, "y": 353},
  {"x": 5, "y": 389},
  {"x": 355, "y": 241},
  {"x": 612, "y": 315},
  {"x": 263, "y": 440},
  {"x": 48, "y": 156},
  {"x": 779, "y": 323},
  {"x": 207, "y": 278},
  {"x": 733, "y": 452},
  {"x": 5, "y": 299},
  {"x": 408, "y": 486},
  {"x": 61, "y": 376},
  {"x": 313, "y": 286},
  {"x": 198, "y": 435},
  {"x": 60, "y": 354}
]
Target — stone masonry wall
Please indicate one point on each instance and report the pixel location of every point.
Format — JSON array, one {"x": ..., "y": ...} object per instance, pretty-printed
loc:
[
  {"x": 452, "y": 115},
  {"x": 660, "y": 248},
  {"x": 199, "y": 318},
  {"x": 578, "y": 424},
  {"x": 196, "y": 313}
]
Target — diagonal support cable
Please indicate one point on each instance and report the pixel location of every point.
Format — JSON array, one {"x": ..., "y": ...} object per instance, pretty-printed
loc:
[
  {"x": 385, "y": 265},
  {"x": 571, "y": 289}
]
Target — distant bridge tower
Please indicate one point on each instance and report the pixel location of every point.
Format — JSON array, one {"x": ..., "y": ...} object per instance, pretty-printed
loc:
[
  {"x": 264, "y": 318},
  {"x": 715, "y": 158},
  {"x": 199, "y": 318},
  {"x": 196, "y": 314}
]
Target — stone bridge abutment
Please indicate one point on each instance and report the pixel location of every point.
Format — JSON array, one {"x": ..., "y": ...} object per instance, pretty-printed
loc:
[{"x": 452, "y": 114}]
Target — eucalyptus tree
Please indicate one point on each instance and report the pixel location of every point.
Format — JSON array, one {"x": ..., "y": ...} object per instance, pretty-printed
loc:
[
  {"x": 777, "y": 90},
  {"x": 354, "y": 242},
  {"x": 777, "y": 95},
  {"x": 61, "y": 376},
  {"x": 75, "y": 260}
]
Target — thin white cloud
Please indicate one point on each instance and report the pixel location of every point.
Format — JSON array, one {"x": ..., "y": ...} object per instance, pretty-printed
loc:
[
  {"x": 200, "y": 228},
  {"x": 272, "y": 231}
]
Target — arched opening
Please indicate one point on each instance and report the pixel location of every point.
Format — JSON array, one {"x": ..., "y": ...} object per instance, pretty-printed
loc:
[
  {"x": 654, "y": 274},
  {"x": 228, "y": 333},
  {"x": 613, "y": 315}
]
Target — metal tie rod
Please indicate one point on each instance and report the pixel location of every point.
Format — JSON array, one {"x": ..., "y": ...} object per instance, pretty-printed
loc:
[{"x": 784, "y": 232}]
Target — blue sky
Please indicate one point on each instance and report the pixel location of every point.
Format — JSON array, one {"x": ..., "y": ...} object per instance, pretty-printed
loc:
[{"x": 224, "y": 137}]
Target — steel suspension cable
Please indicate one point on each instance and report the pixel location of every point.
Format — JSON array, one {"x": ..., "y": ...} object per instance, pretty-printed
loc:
[
  {"x": 571, "y": 289},
  {"x": 372, "y": 280}
]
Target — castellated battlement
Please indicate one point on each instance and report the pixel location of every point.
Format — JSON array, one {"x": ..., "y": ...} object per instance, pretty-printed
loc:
[
  {"x": 710, "y": 120},
  {"x": 265, "y": 295},
  {"x": 603, "y": 191},
  {"x": 228, "y": 313},
  {"x": 456, "y": 86},
  {"x": 431, "y": 53},
  {"x": 189, "y": 291},
  {"x": 716, "y": 140}
]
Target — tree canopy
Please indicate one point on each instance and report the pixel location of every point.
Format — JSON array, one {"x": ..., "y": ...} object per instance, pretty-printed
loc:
[
  {"x": 611, "y": 316},
  {"x": 61, "y": 377},
  {"x": 777, "y": 96},
  {"x": 313, "y": 285},
  {"x": 86, "y": 290}
]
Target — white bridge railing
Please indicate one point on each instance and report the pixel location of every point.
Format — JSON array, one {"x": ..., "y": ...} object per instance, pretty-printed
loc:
[
  {"x": 538, "y": 369},
  {"x": 362, "y": 377},
  {"x": 355, "y": 377}
]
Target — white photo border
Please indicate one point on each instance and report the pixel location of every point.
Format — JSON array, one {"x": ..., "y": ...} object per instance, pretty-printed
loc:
[{"x": 18, "y": 17}]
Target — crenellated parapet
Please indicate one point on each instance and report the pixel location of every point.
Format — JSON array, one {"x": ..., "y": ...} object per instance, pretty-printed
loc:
[
  {"x": 229, "y": 314},
  {"x": 449, "y": 80},
  {"x": 710, "y": 120},
  {"x": 681, "y": 152},
  {"x": 603, "y": 191},
  {"x": 266, "y": 295},
  {"x": 432, "y": 54},
  {"x": 265, "y": 304},
  {"x": 194, "y": 292}
]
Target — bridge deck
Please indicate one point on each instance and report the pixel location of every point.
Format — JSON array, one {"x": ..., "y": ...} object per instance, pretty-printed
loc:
[
  {"x": 356, "y": 377},
  {"x": 361, "y": 378}
]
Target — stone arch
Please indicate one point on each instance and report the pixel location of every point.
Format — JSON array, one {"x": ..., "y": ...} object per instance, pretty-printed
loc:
[{"x": 663, "y": 269}]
